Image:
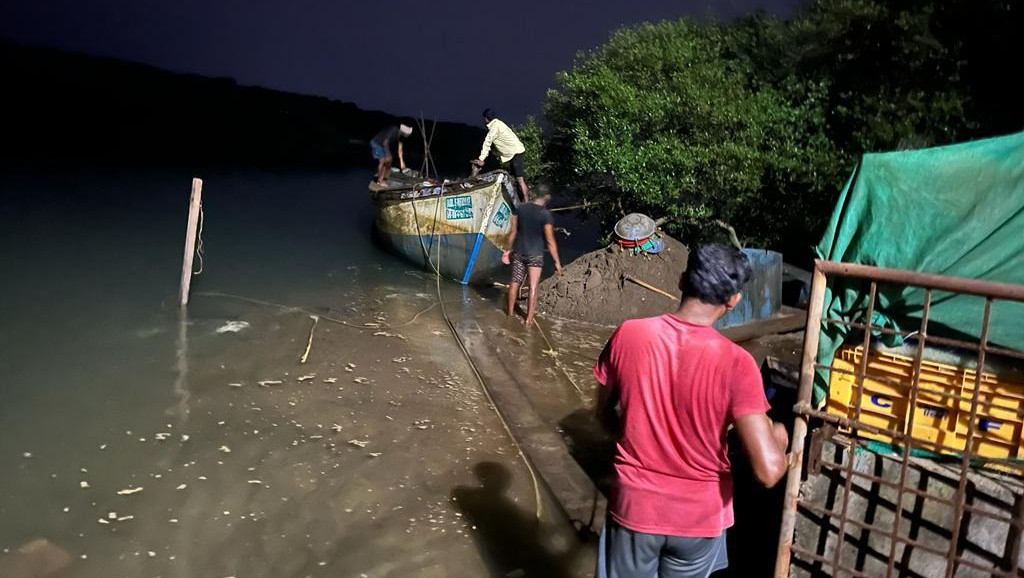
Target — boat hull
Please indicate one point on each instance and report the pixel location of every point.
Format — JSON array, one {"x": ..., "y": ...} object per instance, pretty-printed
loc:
[{"x": 458, "y": 229}]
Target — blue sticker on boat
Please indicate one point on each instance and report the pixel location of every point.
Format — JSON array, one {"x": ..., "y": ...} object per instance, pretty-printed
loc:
[
  {"x": 460, "y": 207},
  {"x": 501, "y": 216}
]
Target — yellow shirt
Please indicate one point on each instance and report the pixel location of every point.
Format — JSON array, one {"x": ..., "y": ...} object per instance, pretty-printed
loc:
[{"x": 504, "y": 140}]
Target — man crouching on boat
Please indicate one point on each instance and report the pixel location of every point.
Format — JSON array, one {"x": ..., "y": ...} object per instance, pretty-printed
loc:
[
  {"x": 508, "y": 148},
  {"x": 380, "y": 147},
  {"x": 532, "y": 228}
]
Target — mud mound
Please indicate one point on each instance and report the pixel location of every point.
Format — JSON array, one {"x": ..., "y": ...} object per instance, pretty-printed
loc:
[{"x": 592, "y": 288}]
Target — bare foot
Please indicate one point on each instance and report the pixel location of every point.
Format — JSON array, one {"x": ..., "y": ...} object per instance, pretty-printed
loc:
[{"x": 529, "y": 321}]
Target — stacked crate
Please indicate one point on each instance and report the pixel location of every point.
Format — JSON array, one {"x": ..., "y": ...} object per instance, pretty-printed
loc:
[{"x": 942, "y": 413}]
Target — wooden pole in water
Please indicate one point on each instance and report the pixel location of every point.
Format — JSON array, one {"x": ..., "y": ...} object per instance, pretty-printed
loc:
[{"x": 195, "y": 205}]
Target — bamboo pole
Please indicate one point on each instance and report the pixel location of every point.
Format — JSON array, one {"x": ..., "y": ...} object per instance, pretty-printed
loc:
[
  {"x": 650, "y": 287},
  {"x": 195, "y": 205}
]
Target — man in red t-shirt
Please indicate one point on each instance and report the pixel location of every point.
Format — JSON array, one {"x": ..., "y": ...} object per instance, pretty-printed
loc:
[{"x": 671, "y": 387}]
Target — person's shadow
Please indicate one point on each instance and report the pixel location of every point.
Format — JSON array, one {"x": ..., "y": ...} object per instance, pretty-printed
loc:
[{"x": 511, "y": 540}]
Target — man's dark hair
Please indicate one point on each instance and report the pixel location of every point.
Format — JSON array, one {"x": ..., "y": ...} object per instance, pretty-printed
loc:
[
  {"x": 714, "y": 273},
  {"x": 489, "y": 114},
  {"x": 540, "y": 190}
]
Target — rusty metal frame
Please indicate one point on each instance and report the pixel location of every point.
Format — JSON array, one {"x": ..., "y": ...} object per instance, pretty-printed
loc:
[{"x": 874, "y": 276}]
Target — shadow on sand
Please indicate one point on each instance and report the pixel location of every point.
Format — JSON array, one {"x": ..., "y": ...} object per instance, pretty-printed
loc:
[{"x": 511, "y": 539}]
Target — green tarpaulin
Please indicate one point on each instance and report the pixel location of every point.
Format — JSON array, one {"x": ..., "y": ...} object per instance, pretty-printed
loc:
[{"x": 955, "y": 210}]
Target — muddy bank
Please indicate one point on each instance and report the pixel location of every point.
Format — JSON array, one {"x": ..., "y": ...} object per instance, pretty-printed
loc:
[{"x": 593, "y": 287}]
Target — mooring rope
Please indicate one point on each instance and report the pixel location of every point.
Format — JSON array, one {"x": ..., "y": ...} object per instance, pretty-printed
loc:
[
  {"x": 199, "y": 242},
  {"x": 553, "y": 353},
  {"x": 538, "y": 504}
]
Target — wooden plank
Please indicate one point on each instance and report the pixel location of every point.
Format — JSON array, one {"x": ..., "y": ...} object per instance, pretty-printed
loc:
[
  {"x": 194, "y": 207},
  {"x": 786, "y": 322},
  {"x": 581, "y": 501}
]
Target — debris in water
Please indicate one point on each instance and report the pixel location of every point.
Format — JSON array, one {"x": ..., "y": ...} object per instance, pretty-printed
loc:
[
  {"x": 350, "y": 364},
  {"x": 151, "y": 554},
  {"x": 331, "y": 380},
  {"x": 358, "y": 443},
  {"x": 257, "y": 482},
  {"x": 181, "y": 486},
  {"x": 361, "y": 380},
  {"x": 161, "y": 436},
  {"x": 112, "y": 515},
  {"x": 103, "y": 521},
  {"x": 268, "y": 382},
  {"x": 233, "y": 327},
  {"x": 235, "y": 384},
  {"x": 103, "y": 447},
  {"x": 336, "y": 428},
  {"x": 225, "y": 449},
  {"x": 184, "y": 437},
  {"x": 129, "y": 491},
  {"x": 401, "y": 359},
  {"x": 27, "y": 455},
  {"x": 83, "y": 484},
  {"x": 374, "y": 454},
  {"x": 309, "y": 344},
  {"x": 306, "y": 377},
  {"x": 125, "y": 518}
]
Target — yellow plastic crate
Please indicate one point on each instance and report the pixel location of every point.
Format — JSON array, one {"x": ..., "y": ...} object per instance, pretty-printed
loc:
[{"x": 940, "y": 420}]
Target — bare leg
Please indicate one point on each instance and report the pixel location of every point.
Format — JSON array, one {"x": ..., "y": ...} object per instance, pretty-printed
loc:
[
  {"x": 524, "y": 191},
  {"x": 380, "y": 170},
  {"x": 533, "y": 275},
  {"x": 385, "y": 171},
  {"x": 513, "y": 294}
]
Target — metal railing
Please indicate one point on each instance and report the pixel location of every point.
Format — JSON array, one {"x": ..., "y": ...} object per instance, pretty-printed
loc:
[{"x": 893, "y": 542}]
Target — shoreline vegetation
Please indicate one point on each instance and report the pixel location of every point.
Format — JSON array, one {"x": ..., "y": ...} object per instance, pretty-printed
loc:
[{"x": 759, "y": 121}]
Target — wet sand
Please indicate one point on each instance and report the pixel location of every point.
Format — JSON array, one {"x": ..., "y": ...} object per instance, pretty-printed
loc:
[{"x": 379, "y": 456}]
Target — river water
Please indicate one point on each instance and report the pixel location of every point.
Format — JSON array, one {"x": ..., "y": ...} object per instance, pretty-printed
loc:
[{"x": 140, "y": 442}]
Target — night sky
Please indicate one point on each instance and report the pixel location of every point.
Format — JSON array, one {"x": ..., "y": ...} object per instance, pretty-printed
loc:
[{"x": 448, "y": 60}]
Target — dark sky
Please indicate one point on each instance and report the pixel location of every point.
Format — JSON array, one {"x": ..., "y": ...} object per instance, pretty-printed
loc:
[{"x": 446, "y": 59}]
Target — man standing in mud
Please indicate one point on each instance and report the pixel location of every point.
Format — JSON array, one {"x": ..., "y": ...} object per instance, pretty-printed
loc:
[
  {"x": 670, "y": 388},
  {"x": 532, "y": 229},
  {"x": 380, "y": 148},
  {"x": 509, "y": 148}
]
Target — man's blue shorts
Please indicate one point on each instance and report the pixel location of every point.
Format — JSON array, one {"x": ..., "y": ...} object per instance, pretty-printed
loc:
[{"x": 378, "y": 151}]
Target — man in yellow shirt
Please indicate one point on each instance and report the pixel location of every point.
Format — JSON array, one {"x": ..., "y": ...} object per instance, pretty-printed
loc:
[{"x": 508, "y": 148}]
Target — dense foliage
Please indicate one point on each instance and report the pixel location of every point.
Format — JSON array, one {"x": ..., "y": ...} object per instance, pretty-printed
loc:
[{"x": 758, "y": 122}]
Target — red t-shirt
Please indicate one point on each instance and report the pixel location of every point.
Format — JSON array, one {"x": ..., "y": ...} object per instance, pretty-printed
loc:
[{"x": 680, "y": 385}]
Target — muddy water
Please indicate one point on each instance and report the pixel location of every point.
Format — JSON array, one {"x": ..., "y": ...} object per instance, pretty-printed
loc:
[{"x": 145, "y": 443}]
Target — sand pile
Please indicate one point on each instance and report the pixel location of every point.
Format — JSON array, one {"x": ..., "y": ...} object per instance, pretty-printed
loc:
[{"x": 592, "y": 287}]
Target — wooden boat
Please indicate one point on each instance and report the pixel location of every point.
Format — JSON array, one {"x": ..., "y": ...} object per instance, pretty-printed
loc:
[{"x": 457, "y": 228}]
